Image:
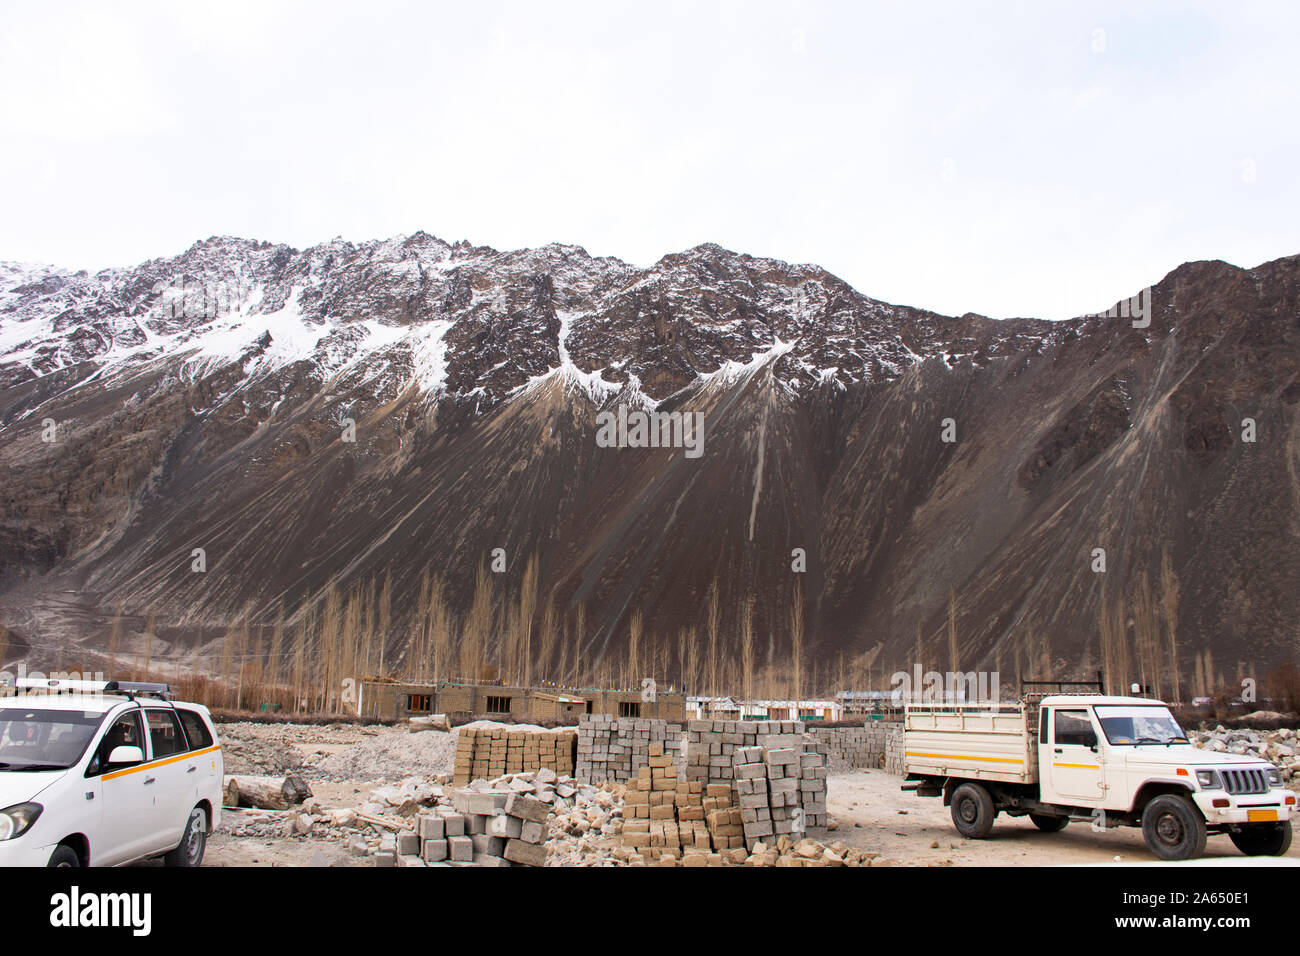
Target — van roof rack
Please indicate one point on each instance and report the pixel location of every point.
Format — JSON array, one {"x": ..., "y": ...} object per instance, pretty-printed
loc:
[
  {"x": 58, "y": 686},
  {"x": 138, "y": 689}
]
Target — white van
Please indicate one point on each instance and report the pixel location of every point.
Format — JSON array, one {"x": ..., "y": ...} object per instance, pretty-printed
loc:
[{"x": 105, "y": 773}]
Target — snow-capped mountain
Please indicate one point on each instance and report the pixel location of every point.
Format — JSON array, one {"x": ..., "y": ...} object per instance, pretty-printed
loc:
[{"x": 200, "y": 402}]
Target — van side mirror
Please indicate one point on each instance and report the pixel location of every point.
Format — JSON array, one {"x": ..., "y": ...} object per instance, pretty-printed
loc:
[
  {"x": 1090, "y": 741},
  {"x": 125, "y": 755}
]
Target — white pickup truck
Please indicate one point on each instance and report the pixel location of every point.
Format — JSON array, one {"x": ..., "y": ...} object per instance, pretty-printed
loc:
[{"x": 1116, "y": 761}]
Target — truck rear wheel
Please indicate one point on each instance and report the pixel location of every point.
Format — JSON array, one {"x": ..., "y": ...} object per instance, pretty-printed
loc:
[
  {"x": 1263, "y": 839},
  {"x": 1048, "y": 824},
  {"x": 973, "y": 811},
  {"x": 1173, "y": 828}
]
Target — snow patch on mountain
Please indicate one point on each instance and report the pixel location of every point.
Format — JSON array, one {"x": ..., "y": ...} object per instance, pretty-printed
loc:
[{"x": 731, "y": 372}]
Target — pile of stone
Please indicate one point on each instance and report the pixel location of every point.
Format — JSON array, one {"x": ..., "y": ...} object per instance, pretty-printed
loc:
[
  {"x": 1279, "y": 747},
  {"x": 493, "y": 751},
  {"x": 783, "y": 851},
  {"x": 617, "y": 748},
  {"x": 585, "y": 830},
  {"x": 787, "y": 851}
]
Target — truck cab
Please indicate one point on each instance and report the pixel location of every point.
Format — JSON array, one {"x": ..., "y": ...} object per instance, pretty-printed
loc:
[{"x": 1116, "y": 761}]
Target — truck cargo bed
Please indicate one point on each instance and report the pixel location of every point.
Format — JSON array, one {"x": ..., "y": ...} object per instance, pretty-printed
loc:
[{"x": 978, "y": 741}]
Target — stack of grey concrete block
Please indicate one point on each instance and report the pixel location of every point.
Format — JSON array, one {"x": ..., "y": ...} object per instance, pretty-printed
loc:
[
  {"x": 852, "y": 748},
  {"x": 711, "y": 745},
  {"x": 750, "y": 784},
  {"x": 616, "y": 748},
  {"x": 813, "y": 770},
  {"x": 781, "y": 790},
  {"x": 894, "y": 749},
  {"x": 846, "y": 747},
  {"x": 481, "y": 828}
]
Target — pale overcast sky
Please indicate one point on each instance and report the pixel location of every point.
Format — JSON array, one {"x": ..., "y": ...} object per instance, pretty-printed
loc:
[{"x": 1011, "y": 159}]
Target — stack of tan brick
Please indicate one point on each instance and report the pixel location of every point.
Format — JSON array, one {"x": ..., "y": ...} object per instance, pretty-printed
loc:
[
  {"x": 725, "y": 823},
  {"x": 490, "y": 752},
  {"x": 650, "y": 821},
  {"x": 667, "y": 819}
]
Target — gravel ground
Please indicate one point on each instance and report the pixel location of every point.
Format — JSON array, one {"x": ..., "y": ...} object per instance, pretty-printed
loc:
[
  {"x": 336, "y": 752},
  {"x": 344, "y": 764}
]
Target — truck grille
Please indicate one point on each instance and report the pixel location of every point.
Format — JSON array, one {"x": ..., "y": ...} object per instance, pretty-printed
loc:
[{"x": 1244, "y": 781}]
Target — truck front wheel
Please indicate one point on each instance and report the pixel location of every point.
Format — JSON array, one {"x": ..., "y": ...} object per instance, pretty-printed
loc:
[
  {"x": 1173, "y": 828},
  {"x": 973, "y": 811},
  {"x": 1263, "y": 839}
]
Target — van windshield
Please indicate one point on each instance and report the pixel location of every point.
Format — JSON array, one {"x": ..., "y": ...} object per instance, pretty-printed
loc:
[
  {"x": 34, "y": 739},
  {"x": 1133, "y": 725}
]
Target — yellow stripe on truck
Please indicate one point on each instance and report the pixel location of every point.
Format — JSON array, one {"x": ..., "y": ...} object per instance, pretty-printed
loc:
[
  {"x": 1078, "y": 766},
  {"x": 966, "y": 757},
  {"x": 160, "y": 763}
]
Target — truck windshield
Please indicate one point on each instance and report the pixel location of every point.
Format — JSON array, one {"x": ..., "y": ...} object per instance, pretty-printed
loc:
[
  {"x": 1133, "y": 725},
  {"x": 33, "y": 739}
]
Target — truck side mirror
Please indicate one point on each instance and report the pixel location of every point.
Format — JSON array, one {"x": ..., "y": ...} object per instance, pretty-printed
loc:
[{"x": 1090, "y": 741}]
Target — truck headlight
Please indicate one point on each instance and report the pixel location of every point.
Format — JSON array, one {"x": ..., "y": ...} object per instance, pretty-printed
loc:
[
  {"x": 1208, "y": 780},
  {"x": 18, "y": 819},
  {"x": 1274, "y": 776}
]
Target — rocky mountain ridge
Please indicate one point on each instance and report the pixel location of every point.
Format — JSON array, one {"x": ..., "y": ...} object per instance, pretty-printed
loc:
[{"x": 204, "y": 401}]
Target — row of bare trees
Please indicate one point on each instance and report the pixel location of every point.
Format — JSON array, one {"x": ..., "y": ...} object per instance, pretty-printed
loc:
[{"x": 304, "y": 660}]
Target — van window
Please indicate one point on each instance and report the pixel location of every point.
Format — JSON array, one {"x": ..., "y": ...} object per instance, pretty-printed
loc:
[
  {"x": 196, "y": 730},
  {"x": 165, "y": 733},
  {"x": 125, "y": 732}
]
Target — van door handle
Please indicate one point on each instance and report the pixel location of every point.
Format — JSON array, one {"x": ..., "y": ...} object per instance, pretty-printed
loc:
[
  {"x": 149, "y": 780},
  {"x": 192, "y": 769}
]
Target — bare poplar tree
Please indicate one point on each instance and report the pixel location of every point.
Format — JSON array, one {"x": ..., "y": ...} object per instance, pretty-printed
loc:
[
  {"x": 796, "y": 637},
  {"x": 385, "y": 617},
  {"x": 713, "y": 623},
  {"x": 1169, "y": 609}
]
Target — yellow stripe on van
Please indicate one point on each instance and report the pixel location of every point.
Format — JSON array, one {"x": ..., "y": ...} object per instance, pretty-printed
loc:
[
  {"x": 1079, "y": 766},
  {"x": 160, "y": 763},
  {"x": 966, "y": 757}
]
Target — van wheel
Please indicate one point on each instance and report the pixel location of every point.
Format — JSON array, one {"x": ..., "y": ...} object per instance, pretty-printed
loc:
[
  {"x": 1048, "y": 824},
  {"x": 973, "y": 811},
  {"x": 193, "y": 843},
  {"x": 64, "y": 856},
  {"x": 1173, "y": 828},
  {"x": 1263, "y": 839}
]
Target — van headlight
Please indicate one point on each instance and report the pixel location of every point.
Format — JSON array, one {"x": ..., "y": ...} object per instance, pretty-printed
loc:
[
  {"x": 1208, "y": 780},
  {"x": 1274, "y": 776},
  {"x": 18, "y": 819}
]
